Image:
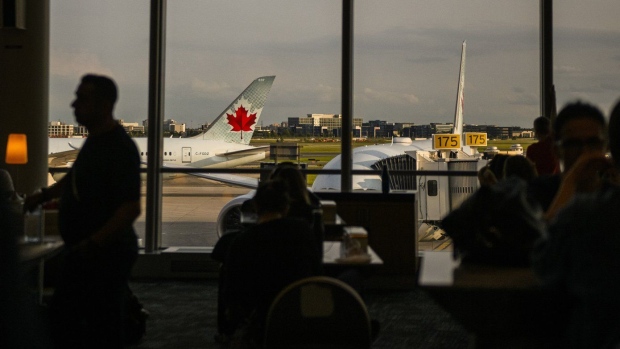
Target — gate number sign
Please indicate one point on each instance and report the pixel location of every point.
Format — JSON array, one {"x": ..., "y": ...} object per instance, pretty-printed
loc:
[
  {"x": 476, "y": 139},
  {"x": 447, "y": 141}
]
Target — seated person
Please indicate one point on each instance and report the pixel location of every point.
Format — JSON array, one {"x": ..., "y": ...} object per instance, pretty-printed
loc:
[
  {"x": 579, "y": 128},
  {"x": 579, "y": 256},
  {"x": 264, "y": 259},
  {"x": 302, "y": 200},
  {"x": 303, "y": 203},
  {"x": 504, "y": 166},
  {"x": 521, "y": 167},
  {"x": 493, "y": 171}
]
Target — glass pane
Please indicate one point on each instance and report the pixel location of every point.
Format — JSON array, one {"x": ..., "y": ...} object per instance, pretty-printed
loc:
[
  {"x": 215, "y": 49},
  {"x": 100, "y": 37},
  {"x": 407, "y": 56},
  {"x": 586, "y": 39}
]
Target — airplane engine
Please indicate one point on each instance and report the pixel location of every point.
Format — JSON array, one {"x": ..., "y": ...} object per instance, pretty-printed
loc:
[{"x": 229, "y": 218}]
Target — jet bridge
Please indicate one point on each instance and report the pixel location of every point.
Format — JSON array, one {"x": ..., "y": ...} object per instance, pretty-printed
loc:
[{"x": 438, "y": 195}]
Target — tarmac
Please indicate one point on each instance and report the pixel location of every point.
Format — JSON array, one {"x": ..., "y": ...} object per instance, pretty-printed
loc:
[{"x": 191, "y": 206}]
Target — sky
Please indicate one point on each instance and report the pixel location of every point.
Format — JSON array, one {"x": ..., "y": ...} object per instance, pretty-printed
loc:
[{"x": 406, "y": 57}]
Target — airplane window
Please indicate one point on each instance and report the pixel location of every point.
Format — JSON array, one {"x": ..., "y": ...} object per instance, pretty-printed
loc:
[{"x": 432, "y": 188}]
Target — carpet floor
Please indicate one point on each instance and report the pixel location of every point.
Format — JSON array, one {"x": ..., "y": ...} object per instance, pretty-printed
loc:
[{"x": 183, "y": 315}]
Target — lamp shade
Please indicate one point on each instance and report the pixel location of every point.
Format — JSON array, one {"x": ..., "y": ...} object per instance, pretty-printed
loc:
[{"x": 17, "y": 149}]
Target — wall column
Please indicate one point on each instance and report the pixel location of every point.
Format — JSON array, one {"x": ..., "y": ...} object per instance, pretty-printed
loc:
[{"x": 24, "y": 92}]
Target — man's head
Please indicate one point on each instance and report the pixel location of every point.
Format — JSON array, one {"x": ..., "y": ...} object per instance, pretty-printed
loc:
[
  {"x": 579, "y": 128},
  {"x": 94, "y": 100},
  {"x": 542, "y": 127}
]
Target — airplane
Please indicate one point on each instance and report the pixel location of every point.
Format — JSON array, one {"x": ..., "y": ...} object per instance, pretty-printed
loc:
[
  {"x": 437, "y": 195},
  {"x": 224, "y": 144},
  {"x": 375, "y": 156}
]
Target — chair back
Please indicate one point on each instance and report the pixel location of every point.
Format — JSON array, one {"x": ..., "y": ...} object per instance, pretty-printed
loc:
[
  {"x": 318, "y": 312},
  {"x": 6, "y": 184}
]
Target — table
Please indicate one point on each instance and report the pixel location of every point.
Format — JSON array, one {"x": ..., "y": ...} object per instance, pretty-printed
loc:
[
  {"x": 503, "y": 307},
  {"x": 34, "y": 254},
  {"x": 331, "y": 255}
]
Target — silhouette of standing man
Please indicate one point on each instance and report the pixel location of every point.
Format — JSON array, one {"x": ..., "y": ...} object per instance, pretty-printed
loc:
[{"x": 99, "y": 201}]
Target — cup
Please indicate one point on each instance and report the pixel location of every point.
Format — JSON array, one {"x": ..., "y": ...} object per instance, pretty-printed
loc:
[
  {"x": 360, "y": 235},
  {"x": 33, "y": 226}
]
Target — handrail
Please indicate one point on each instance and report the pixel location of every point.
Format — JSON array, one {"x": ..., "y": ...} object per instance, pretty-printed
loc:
[{"x": 306, "y": 171}]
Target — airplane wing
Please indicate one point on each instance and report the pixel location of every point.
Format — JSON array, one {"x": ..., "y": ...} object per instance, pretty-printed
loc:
[
  {"x": 242, "y": 181},
  {"x": 245, "y": 152},
  {"x": 62, "y": 159},
  {"x": 246, "y": 182}
]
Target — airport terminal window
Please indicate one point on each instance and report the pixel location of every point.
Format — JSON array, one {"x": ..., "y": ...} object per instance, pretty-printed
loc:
[
  {"x": 102, "y": 37},
  {"x": 211, "y": 58},
  {"x": 417, "y": 52},
  {"x": 402, "y": 59},
  {"x": 586, "y": 52}
]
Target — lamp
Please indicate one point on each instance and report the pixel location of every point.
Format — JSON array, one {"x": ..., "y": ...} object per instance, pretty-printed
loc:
[{"x": 17, "y": 149}]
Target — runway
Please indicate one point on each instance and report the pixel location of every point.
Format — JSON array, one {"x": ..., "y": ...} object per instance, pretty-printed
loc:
[{"x": 190, "y": 207}]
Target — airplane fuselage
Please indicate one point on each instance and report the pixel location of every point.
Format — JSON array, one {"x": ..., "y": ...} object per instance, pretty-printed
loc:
[{"x": 180, "y": 152}]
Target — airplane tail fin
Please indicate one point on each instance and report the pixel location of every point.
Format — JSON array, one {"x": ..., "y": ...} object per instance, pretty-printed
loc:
[
  {"x": 458, "y": 112},
  {"x": 237, "y": 122}
]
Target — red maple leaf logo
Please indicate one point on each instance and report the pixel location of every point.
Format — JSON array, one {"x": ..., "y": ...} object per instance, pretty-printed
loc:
[{"x": 241, "y": 121}]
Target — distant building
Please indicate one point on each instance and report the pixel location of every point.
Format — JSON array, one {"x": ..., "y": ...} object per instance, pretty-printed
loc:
[
  {"x": 80, "y": 131},
  {"x": 496, "y": 132},
  {"x": 438, "y": 128},
  {"x": 132, "y": 127},
  {"x": 319, "y": 125},
  {"x": 378, "y": 129},
  {"x": 173, "y": 126},
  {"x": 176, "y": 128},
  {"x": 403, "y": 129},
  {"x": 427, "y": 131},
  {"x": 527, "y": 134},
  {"x": 59, "y": 129}
]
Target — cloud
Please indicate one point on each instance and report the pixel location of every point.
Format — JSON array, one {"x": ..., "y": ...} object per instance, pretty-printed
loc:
[
  {"x": 327, "y": 93},
  {"x": 369, "y": 95},
  {"x": 565, "y": 69},
  {"x": 75, "y": 63},
  {"x": 521, "y": 96},
  {"x": 201, "y": 87},
  {"x": 611, "y": 85}
]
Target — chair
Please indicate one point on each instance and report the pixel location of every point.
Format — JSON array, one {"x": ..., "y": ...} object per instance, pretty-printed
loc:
[
  {"x": 318, "y": 312},
  {"x": 6, "y": 185}
]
